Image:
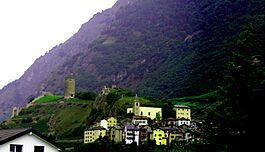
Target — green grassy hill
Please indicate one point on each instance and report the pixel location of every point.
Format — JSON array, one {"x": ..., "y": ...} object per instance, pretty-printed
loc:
[
  {"x": 48, "y": 98},
  {"x": 57, "y": 119}
]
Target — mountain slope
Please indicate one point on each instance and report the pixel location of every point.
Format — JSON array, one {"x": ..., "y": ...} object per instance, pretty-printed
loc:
[
  {"x": 32, "y": 81},
  {"x": 162, "y": 48}
]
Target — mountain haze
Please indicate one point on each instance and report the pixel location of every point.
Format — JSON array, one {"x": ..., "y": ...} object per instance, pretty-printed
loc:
[{"x": 162, "y": 48}]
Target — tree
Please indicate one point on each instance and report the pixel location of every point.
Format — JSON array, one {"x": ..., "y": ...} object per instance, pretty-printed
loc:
[
  {"x": 86, "y": 95},
  {"x": 229, "y": 124}
]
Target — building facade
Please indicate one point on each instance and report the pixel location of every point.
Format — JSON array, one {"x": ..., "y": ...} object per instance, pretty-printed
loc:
[
  {"x": 112, "y": 121},
  {"x": 183, "y": 122},
  {"x": 183, "y": 115},
  {"x": 25, "y": 140},
  {"x": 131, "y": 134},
  {"x": 115, "y": 133},
  {"x": 140, "y": 120},
  {"x": 159, "y": 137},
  {"x": 103, "y": 123},
  {"x": 182, "y": 112},
  {"x": 92, "y": 134}
]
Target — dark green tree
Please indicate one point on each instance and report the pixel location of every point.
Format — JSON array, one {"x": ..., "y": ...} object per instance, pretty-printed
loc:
[{"x": 229, "y": 125}]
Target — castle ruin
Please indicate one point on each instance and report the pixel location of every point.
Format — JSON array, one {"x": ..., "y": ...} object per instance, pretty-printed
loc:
[{"x": 69, "y": 87}]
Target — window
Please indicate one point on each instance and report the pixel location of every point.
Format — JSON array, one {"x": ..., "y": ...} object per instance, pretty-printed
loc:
[
  {"x": 16, "y": 148},
  {"x": 148, "y": 113},
  {"x": 141, "y": 113}
]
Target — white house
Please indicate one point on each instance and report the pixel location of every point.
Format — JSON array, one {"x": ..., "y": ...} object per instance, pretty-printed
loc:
[
  {"x": 25, "y": 140},
  {"x": 104, "y": 123},
  {"x": 182, "y": 122},
  {"x": 131, "y": 134},
  {"x": 140, "y": 120}
]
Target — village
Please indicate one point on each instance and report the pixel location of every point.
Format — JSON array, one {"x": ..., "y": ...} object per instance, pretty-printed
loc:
[
  {"x": 146, "y": 124},
  {"x": 143, "y": 124}
]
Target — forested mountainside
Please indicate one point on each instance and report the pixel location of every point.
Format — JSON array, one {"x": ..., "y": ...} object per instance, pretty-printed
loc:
[{"x": 162, "y": 48}]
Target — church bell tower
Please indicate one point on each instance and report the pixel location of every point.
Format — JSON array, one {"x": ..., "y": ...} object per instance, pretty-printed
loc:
[{"x": 136, "y": 106}]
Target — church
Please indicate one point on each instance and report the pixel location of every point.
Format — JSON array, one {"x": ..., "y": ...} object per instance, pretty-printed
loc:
[{"x": 150, "y": 112}]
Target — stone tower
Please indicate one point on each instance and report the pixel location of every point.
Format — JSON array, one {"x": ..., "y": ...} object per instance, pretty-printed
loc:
[
  {"x": 69, "y": 87},
  {"x": 136, "y": 106},
  {"x": 15, "y": 111}
]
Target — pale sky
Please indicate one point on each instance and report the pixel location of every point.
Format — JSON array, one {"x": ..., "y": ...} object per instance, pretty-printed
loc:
[{"x": 30, "y": 28}]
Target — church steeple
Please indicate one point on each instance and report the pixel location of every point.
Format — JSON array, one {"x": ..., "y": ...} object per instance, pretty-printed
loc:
[{"x": 136, "y": 106}]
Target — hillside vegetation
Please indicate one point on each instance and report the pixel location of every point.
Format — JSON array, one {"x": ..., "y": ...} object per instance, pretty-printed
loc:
[
  {"x": 160, "y": 48},
  {"x": 65, "y": 120}
]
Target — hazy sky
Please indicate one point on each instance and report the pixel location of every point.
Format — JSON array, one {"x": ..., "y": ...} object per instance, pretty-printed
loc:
[{"x": 30, "y": 28}]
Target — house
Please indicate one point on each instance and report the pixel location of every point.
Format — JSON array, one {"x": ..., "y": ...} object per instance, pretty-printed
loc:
[
  {"x": 143, "y": 134},
  {"x": 131, "y": 134},
  {"x": 172, "y": 134},
  {"x": 170, "y": 122},
  {"x": 159, "y": 137},
  {"x": 140, "y": 120},
  {"x": 165, "y": 135},
  {"x": 25, "y": 140},
  {"x": 183, "y": 121},
  {"x": 112, "y": 121},
  {"x": 92, "y": 134},
  {"x": 183, "y": 114},
  {"x": 115, "y": 133},
  {"x": 150, "y": 112},
  {"x": 103, "y": 123}
]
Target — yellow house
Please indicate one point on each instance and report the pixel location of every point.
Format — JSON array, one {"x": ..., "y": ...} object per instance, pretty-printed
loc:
[
  {"x": 151, "y": 112},
  {"x": 112, "y": 121},
  {"x": 159, "y": 137},
  {"x": 172, "y": 134},
  {"x": 90, "y": 135},
  {"x": 115, "y": 134},
  {"x": 182, "y": 112}
]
